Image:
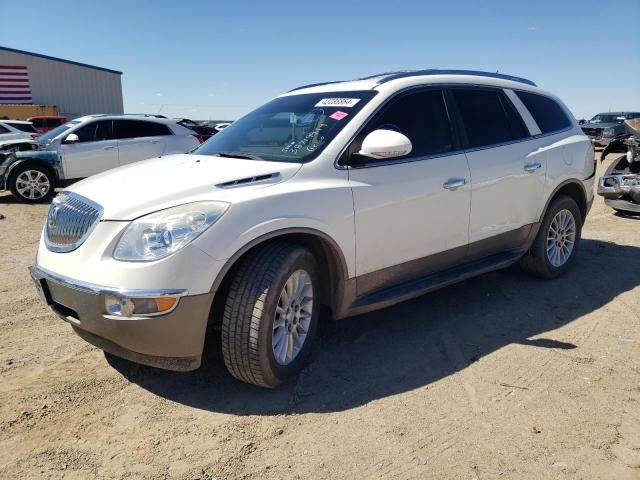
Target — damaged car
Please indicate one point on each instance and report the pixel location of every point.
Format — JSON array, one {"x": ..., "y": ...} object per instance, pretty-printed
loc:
[{"x": 620, "y": 185}]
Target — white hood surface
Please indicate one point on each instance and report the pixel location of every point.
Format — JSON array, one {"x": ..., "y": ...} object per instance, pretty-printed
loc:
[{"x": 133, "y": 190}]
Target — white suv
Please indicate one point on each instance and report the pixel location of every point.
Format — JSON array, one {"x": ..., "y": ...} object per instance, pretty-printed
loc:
[
  {"x": 351, "y": 195},
  {"x": 89, "y": 145},
  {"x": 17, "y": 130}
]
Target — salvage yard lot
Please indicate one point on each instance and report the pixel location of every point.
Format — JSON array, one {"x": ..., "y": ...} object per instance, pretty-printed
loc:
[{"x": 502, "y": 376}]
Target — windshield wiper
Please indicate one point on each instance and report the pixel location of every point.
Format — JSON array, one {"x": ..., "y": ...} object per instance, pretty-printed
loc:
[{"x": 242, "y": 155}]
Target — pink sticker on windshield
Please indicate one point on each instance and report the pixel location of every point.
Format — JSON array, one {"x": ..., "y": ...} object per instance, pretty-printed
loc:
[{"x": 338, "y": 115}]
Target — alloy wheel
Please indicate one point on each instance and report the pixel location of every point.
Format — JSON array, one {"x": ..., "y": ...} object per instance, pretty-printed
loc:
[
  {"x": 33, "y": 184},
  {"x": 293, "y": 317},
  {"x": 561, "y": 238}
]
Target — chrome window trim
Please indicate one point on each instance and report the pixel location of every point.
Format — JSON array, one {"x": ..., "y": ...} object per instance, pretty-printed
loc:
[
  {"x": 57, "y": 248},
  {"x": 94, "y": 289}
]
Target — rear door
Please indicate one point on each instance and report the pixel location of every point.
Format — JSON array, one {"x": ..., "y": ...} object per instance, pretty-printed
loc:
[
  {"x": 507, "y": 170},
  {"x": 139, "y": 140},
  {"x": 94, "y": 152}
]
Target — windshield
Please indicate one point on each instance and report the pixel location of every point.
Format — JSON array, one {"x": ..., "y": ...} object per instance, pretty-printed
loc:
[
  {"x": 51, "y": 134},
  {"x": 607, "y": 118},
  {"x": 293, "y": 129}
]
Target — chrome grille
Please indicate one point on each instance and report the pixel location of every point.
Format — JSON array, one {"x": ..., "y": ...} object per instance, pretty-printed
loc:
[
  {"x": 592, "y": 132},
  {"x": 70, "y": 220}
]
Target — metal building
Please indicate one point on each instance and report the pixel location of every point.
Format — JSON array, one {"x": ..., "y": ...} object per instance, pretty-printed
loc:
[{"x": 76, "y": 89}]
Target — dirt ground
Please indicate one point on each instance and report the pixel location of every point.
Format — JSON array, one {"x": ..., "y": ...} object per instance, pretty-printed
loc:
[{"x": 503, "y": 376}]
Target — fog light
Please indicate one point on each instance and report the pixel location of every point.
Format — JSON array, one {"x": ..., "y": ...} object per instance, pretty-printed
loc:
[{"x": 128, "y": 307}]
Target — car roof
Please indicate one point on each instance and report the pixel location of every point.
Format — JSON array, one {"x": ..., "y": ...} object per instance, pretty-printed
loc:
[
  {"x": 116, "y": 116},
  {"x": 423, "y": 76},
  {"x": 16, "y": 121},
  {"x": 45, "y": 116},
  {"x": 616, "y": 113}
]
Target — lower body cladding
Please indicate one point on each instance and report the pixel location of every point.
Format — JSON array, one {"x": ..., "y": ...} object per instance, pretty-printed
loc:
[{"x": 173, "y": 340}]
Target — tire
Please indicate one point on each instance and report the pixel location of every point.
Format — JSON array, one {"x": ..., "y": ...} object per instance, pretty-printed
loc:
[
  {"x": 537, "y": 261},
  {"x": 41, "y": 190},
  {"x": 254, "y": 299}
]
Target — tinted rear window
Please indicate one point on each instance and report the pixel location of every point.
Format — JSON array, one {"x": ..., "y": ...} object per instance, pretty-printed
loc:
[
  {"x": 549, "y": 116},
  {"x": 24, "y": 127},
  {"x": 138, "y": 128},
  {"x": 488, "y": 117}
]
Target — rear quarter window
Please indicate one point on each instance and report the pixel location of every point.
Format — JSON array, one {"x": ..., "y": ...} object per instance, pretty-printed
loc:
[
  {"x": 24, "y": 127},
  {"x": 549, "y": 116}
]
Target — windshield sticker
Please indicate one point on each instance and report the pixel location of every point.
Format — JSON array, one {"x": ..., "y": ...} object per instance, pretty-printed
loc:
[
  {"x": 310, "y": 142},
  {"x": 337, "y": 102},
  {"x": 339, "y": 115}
]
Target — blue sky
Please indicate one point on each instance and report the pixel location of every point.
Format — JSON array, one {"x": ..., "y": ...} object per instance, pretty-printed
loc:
[{"x": 221, "y": 59}]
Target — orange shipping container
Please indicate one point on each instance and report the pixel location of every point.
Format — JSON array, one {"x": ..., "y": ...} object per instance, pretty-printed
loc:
[{"x": 22, "y": 112}]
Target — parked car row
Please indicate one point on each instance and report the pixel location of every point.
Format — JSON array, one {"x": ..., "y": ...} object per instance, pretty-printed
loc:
[
  {"x": 606, "y": 128},
  {"x": 87, "y": 146}
]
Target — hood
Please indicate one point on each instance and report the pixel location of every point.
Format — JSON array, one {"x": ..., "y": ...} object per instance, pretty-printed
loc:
[
  {"x": 128, "y": 192},
  {"x": 601, "y": 125}
]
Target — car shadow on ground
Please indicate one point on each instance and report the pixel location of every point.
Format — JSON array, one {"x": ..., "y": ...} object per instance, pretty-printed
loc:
[{"x": 413, "y": 344}]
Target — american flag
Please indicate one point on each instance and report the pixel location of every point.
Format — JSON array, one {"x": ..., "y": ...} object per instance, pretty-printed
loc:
[{"x": 14, "y": 84}]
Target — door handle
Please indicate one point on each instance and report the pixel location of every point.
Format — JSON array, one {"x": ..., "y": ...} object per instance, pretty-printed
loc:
[
  {"x": 532, "y": 167},
  {"x": 155, "y": 142},
  {"x": 109, "y": 147},
  {"x": 454, "y": 183}
]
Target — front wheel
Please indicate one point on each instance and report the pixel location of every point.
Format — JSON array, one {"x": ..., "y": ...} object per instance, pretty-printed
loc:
[
  {"x": 31, "y": 183},
  {"x": 557, "y": 240},
  {"x": 271, "y": 314}
]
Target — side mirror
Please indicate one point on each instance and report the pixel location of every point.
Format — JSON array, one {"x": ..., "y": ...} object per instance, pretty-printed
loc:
[
  {"x": 381, "y": 144},
  {"x": 71, "y": 138}
]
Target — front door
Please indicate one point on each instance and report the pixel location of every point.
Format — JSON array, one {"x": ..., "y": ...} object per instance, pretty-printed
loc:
[
  {"x": 94, "y": 152},
  {"x": 411, "y": 212}
]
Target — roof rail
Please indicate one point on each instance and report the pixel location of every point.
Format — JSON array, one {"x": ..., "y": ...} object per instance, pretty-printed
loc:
[
  {"x": 476, "y": 73},
  {"x": 150, "y": 115},
  {"x": 315, "y": 85},
  {"x": 388, "y": 76}
]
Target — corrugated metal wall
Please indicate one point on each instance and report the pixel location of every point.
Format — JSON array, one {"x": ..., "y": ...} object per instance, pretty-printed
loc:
[{"x": 76, "y": 90}]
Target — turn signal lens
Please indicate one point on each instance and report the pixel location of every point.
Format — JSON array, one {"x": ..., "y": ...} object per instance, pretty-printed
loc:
[{"x": 120, "y": 306}]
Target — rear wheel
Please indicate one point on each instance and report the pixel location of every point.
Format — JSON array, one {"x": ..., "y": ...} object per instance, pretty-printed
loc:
[
  {"x": 271, "y": 314},
  {"x": 557, "y": 240},
  {"x": 31, "y": 183}
]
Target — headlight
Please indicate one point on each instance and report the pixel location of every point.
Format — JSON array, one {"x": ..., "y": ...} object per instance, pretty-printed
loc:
[
  {"x": 162, "y": 233},
  {"x": 608, "y": 132}
]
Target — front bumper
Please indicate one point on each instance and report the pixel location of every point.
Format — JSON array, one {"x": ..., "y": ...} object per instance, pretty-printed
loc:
[
  {"x": 601, "y": 141},
  {"x": 173, "y": 341}
]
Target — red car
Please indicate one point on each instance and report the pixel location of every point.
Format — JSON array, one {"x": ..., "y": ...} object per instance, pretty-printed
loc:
[{"x": 45, "y": 123}]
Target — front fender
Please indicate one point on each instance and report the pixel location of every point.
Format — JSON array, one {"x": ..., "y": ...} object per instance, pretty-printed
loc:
[{"x": 50, "y": 159}]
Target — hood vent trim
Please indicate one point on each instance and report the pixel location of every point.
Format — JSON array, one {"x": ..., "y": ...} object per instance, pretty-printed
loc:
[{"x": 241, "y": 182}]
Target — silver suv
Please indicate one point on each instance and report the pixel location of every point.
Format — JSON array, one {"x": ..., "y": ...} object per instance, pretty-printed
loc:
[{"x": 89, "y": 145}]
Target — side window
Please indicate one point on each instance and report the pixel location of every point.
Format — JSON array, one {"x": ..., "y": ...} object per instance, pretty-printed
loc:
[
  {"x": 422, "y": 117},
  {"x": 3, "y": 130},
  {"x": 546, "y": 112},
  {"x": 137, "y": 128},
  {"x": 39, "y": 122},
  {"x": 95, "y": 132},
  {"x": 24, "y": 127},
  {"x": 488, "y": 117}
]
